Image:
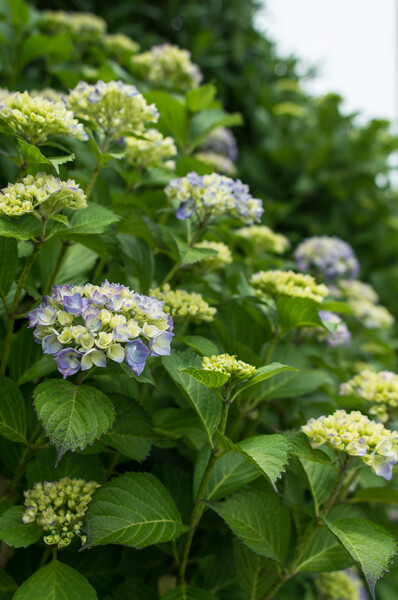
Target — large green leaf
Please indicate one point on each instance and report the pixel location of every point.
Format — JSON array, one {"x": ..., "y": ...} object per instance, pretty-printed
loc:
[
  {"x": 321, "y": 479},
  {"x": 8, "y": 263},
  {"x": 211, "y": 379},
  {"x": 56, "y": 581},
  {"x": 376, "y": 494},
  {"x": 134, "y": 510},
  {"x": 292, "y": 384},
  {"x": 173, "y": 115},
  {"x": 72, "y": 416},
  {"x": 14, "y": 531},
  {"x": 298, "y": 312},
  {"x": 369, "y": 544},
  {"x": 201, "y": 344},
  {"x": 201, "y": 97},
  {"x": 262, "y": 374},
  {"x": 93, "y": 219},
  {"x": 7, "y": 586},
  {"x": 12, "y": 411},
  {"x": 176, "y": 423},
  {"x": 189, "y": 593},
  {"x": 254, "y": 573},
  {"x": 302, "y": 448},
  {"x": 9, "y": 229},
  {"x": 259, "y": 520},
  {"x": 205, "y": 121},
  {"x": 41, "y": 467}
]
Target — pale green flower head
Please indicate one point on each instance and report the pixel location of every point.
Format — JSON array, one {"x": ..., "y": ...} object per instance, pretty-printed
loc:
[
  {"x": 235, "y": 369},
  {"x": 220, "y": 260},
  {"x": 120, "y": 45},
  {"x": 180, "y": 303},
  {"x": 339, "y": 585},
  {"x": 81, "y": 26},
  {"x": 59, "y": 508},
  {"x": 380, "y": 389},
  {"x": 154, "y": 150},
  {"x": 277, "y": 283},
  {"x": 48, "y": 94},
  {"x": 264, "y": 239},
  {"x": 35, "y": 118},
  {"x": 373, "y": 316},
  {"x": 41, "y": 194}
]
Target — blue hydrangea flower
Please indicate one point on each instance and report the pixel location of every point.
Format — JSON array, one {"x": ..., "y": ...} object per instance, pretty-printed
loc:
[{"x": 330, "y": 257}]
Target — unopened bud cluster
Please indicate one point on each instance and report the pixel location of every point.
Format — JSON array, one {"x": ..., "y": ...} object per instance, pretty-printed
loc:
[
  {"x": 80, "y": 26},
  {"x": 119, "y": 45},
  {"x": 264, "y": 239},
  {"x": 381, "y": 389},
  {"x": 235, "y": 369},
  {"x": 221, "y": 259},
  {"x": 180, "y": 303},
  {"x": 330, "y": 257},
  {"x": 357, "y": 435},
  {"x": 277, "y": 283},
  {"x": 339, "y": 585},
  {"x": 59, "y": 508},
  {"x": 152, "y": 151}
]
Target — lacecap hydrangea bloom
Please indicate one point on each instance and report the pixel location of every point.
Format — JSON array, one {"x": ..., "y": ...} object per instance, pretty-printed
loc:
[
  {"x": 221, "y": 141},
  {"x": 82, "y": 27},
  {"x": 213, "y": 195},
  {"x": 218, "y": 162},
  {"x": 59, "y": 508},
  {"x": 168, "y": 67},
  {"x": 42, "y": 195},
  {"x": 35, "y": 118},
  {"x": 330, "y": 257},
  {"x": 264, "y": 239},
  {"x": 152, "y": 151},
  {"x": 220, "y": 260},
  {"x": 339, "y": 335},
  {"x": 357, "y": 435},
  {"x": 235, "y": 369},
  {"x": 180, "y": 303},
  {"x": 277, "y": 283},
  {"x": 120, "y": 45},
  {"x": 84, "y": 325},
  {"x": 381, "y": 389},
  {"x": 112, "y": 109},
  {"x": 340, "y": 585}
]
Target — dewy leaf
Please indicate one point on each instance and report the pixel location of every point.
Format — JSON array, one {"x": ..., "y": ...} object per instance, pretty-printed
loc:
[
  {"x": 262, "y": 374},
  {"x": 298, "y": 312},
  {"x": 211, "y": 379},
  {"x": 8, "y": 263},
  {"x": 259, "y": 520},
  {"x": 12, "y": 411},
  {"x": 56, "y": 580},
  {"x": 14, "y": 531},
  {"x": 189, "y": 593},
  {"x": 72, "y": 416},
  {"x": 269, "y": 453},
  {"x": 369, "y": 544},
  {"x": 134, "y": 510}
]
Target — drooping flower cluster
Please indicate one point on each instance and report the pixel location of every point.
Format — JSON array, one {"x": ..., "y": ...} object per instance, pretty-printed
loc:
[
  {"x": 357, "y": 435},
  {"x": 340, "y": 585},
  {"x": 80, "y": 26},
  {"x": 363, "y": 301},
  {"x": 167, "y": 67},
  {"x": 264, "y": 239},
  {"x": 35, "y": 119},
  {"x": 84, "y": 325},
  {"x": 221, "y": 141},
  {"x": 381, "y": 389},
  {"x": 43, "y": 194},
  {"x": 277, "y": 283},
  {"x": 180, "y": 303},
  {"x": 213, "y": 195},
  {"x": 330, "y": 257},
  {"x": 218, "y": 162},
  {"x": 112, "y": 109},
  {"x": 235, "y": 369},
  {"x": 152, "y": 151},
  {"x": 220, "y": 260},
  {"x": 120, "y": 45},
  {"x": 59, "y": 508},
  {"x": 340, "y": 334}
]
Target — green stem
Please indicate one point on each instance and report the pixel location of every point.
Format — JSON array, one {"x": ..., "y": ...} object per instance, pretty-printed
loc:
[
  {"x": 93, "y": 178},
  {"x": 45, "y": 556}
]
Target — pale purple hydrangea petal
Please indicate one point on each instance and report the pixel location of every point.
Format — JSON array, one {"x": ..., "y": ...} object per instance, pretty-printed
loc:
[
  {"x": 68, "y": 361},
  {"x": 160, "y": 344},
  {"x": 136, "y": 355}
]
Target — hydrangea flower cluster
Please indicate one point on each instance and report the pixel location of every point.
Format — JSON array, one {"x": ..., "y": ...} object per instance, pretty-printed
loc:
[
  {"x": 167, "y": 66},
  {"x": 264, "y": 239},
  {"x": 288, "y": 283},
  {"x": 235, "y": 369},
  {"x": 363, "y": 301},
  {"x": 49, "y": 94},
  {"x": 357, "y": 435},
  {"x": 83, "y": 325},
  {"x": 218, "y": 162},
  {"x": 381, "y": 389},
  {"x": 43, "y": 194},
  {"x": 353, "y": 289},
  {"x": 112, "y": 109},
  {"x": 35, "y": 119},
  {"x": 120, "y": 45},
  {"x": 151, "y": 151},
  {"x": 328, "y": 256},
  {"x": 180, "y": 303},
  {"x": 213, "y": 195},
  {"x": 341, "y": 585},
  {"x": 59, "y": 508},
  {"x": 340, "y": 335},
  {"x": 221, "y": 141},
  {"x": 82, "y": 27},
  {"x": 223, "y": 257}
]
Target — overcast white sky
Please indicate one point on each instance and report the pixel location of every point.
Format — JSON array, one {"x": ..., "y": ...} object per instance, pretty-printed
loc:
[{"x": 353, "y": 42}]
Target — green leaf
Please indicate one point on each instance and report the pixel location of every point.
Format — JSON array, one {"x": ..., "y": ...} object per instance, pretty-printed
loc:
[
  {"x": 134, "y": 510},
  {"x": 138, "y": 251},
  {"x": 259, "y": 520},
  {"x": 303, "y": 449},
  {"x": 179, "y": 423},
  {"x": 8, "y": 263},
  {"x": 262, "y": 374},
  {"x": 324, "y": 554},
  {"x": 201, "y": 344},
  {"x": 293, "y": 384},
  {"x": 321, "y": 479},
  {"x": 10, "y": 230},
  {"x": 56, "y": 161},
  {"x": 201, "y": 97},
  {"x": 189, "y": 593},
  {"x": 173, "y": 115},
  {"x": 204, "y": 401},
  {"x": 376, "y": 494},
  {"x": 41, "y": 467},
  {"x": 72, "y": 416},
  {"x": 231, "y": 472},
  {"x": 254, "y": 573},
  {"x": 34, "y": 46},
  {"x": 13, "y": 424},
  {"x": 61, "y": 219},
  {"x": 298, "y": 312},
  {"x": 205, "y": 121},
  {"x": 56, "y": 580},
  {"x": 7, "y": 586},
  {"x": 369, "y": 544},
  {"x": 211, "y": 379},
  {"x": 93, "y": 219},
  {"x": 14, "y": 531},
  {"x": 190, "y": 256},
  {"x": 268, "y": 453},
  {"x": 32, "y": 154}
]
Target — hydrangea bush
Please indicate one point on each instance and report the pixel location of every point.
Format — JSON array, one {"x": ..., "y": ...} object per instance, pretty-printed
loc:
[{"x": 189, "y": 409}]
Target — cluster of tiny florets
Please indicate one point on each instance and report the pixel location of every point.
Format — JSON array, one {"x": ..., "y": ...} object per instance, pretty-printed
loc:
[
  {"x": 221, "y": 141},
  {"x": 152, "y": 151},
  {"x": 213, "y": 195},
  {"x": 339, "y": 585},
  {"x": 340, "y": 334},
  {"x": 84, "y": 325},
  {"x": 49, "y": 94},
  {"x": 35, "y": 118},
  {"x": 357, "y": 435},
  {"x": 119, "y": 45},
  {"x": 221, "y": 259},
  {"x": 277, "y": 283},
  {"x": 82, "y": 27},
  {"x": 363, "y": 301},
  {"x": 330, "y": 257},
  {"x": 235, "y": 369},
  {"x": 381, "y": 389},
  {"x": 112, "y": 109},
  {"x": 180, "y": 303},
  {"x": 168, "y": 67},
  {"x": 59, "y": 508},
  {"x": 264, "y": 239},
  {"x": 41, "y": 193},
  {"x": 218, "y": 162}
]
